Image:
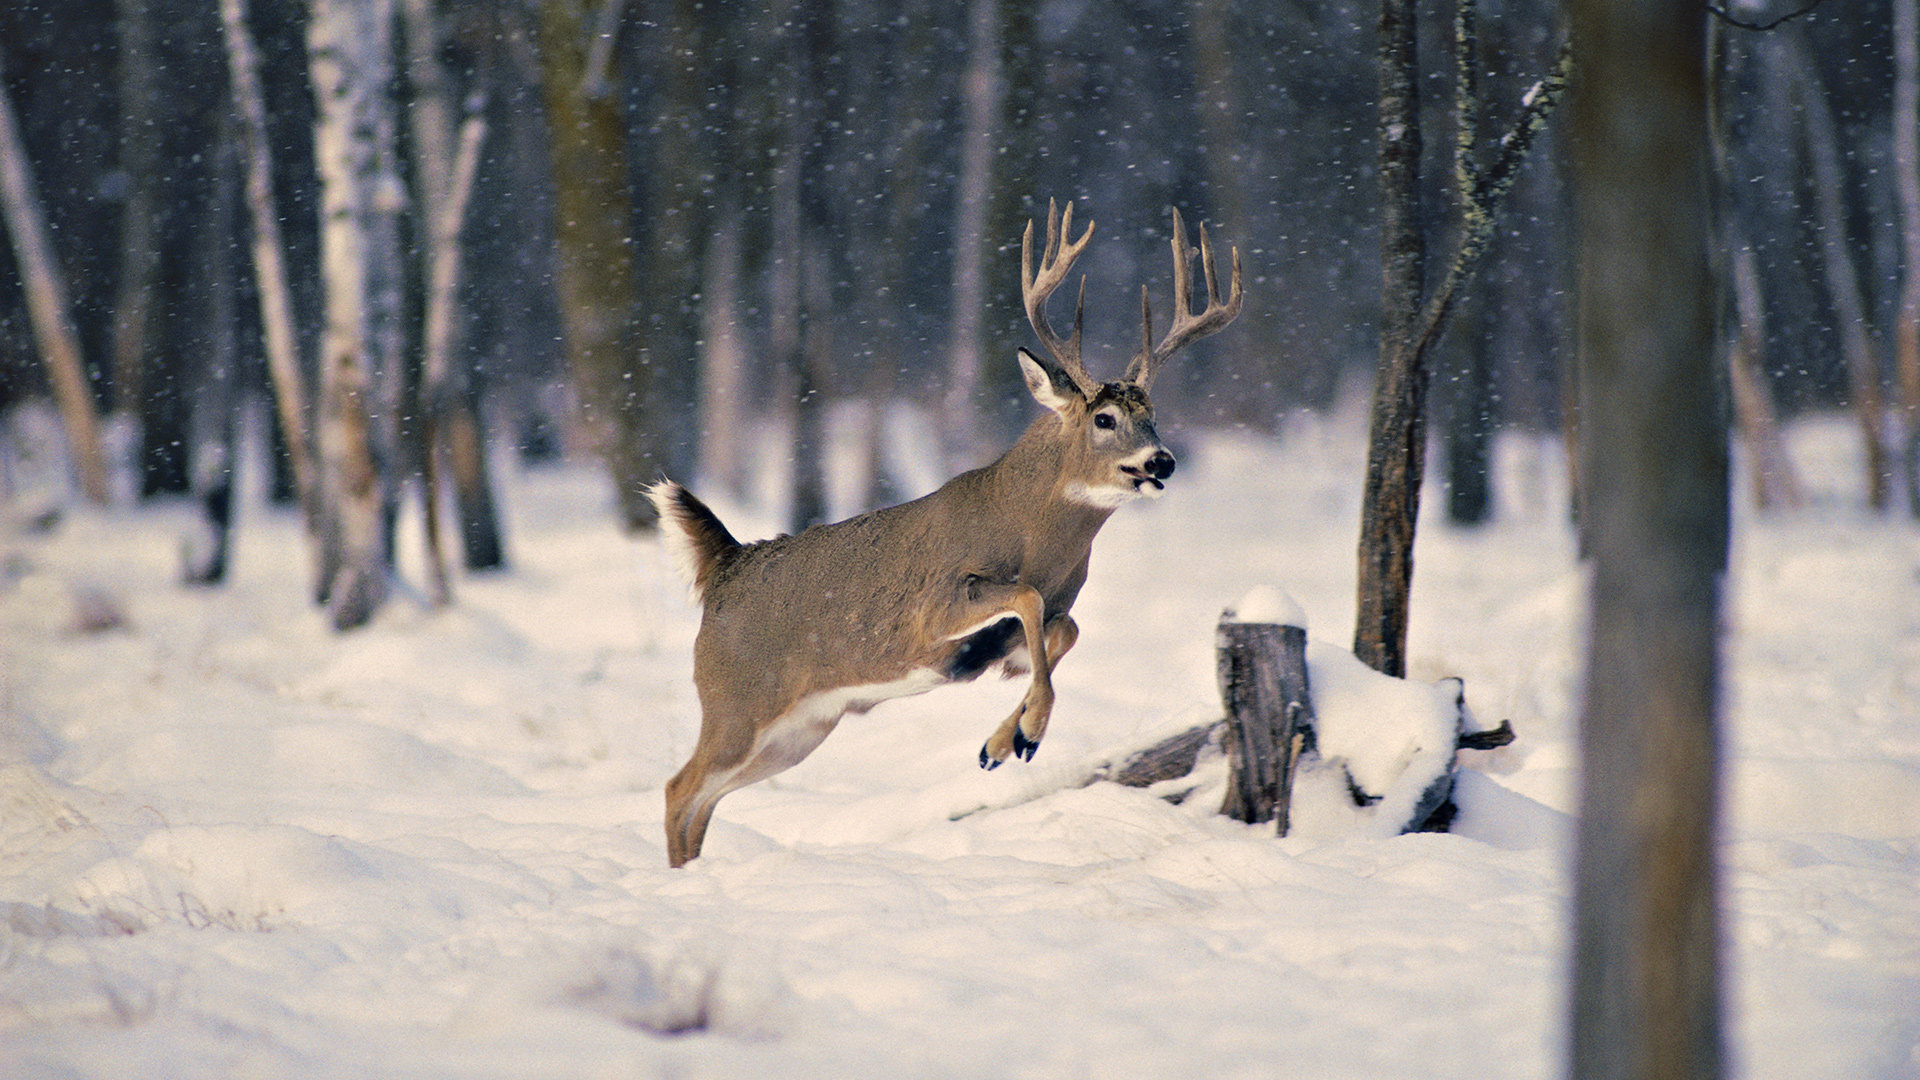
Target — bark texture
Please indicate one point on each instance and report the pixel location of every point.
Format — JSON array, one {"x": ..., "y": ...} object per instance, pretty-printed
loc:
[{"x": 1646, "y": 996}]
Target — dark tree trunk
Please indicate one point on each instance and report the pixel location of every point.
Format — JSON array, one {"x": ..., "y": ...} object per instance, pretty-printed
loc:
[
  {"x": 1470, "y": 424},
  {"x": 1411, "y": 321},
  {"x": 1396, "y": 432},
  {"x": 598, "y": 291},
  {"x": 676, "y": 222},
  {"x": 216, "y": 399},
  {"x": 1645, "y": 1001}
]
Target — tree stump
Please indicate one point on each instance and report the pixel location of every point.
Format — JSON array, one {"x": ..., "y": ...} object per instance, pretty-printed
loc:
[{"x": 1263, "y": 683}]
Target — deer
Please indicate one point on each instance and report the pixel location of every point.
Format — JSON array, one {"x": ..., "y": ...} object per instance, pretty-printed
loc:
[{"x": 798, "y": 631}]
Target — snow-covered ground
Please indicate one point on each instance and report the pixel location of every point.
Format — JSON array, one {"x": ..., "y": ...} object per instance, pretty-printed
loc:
[{"x": 235, "y": 844}]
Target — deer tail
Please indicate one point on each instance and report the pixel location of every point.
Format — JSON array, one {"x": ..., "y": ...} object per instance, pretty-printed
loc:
[{"x": 695, "y": 539}]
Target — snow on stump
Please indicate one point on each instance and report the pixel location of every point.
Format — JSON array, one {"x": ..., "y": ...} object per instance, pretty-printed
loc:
[{"x": 1316, "y": 741}]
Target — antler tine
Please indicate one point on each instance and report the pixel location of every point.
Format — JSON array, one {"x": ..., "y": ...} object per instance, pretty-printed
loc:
[
  {"x": 1057, "y": 258},
  {"x": 1187, "y": 327}
]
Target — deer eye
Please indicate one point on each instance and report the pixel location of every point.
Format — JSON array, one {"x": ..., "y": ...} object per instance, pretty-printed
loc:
[{"x": 1103, "y": 421}]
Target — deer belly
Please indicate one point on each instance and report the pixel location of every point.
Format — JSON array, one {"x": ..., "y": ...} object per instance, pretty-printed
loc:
[
  {"x": 795, "y": 732},
  {"x": 983, "y": 648}
]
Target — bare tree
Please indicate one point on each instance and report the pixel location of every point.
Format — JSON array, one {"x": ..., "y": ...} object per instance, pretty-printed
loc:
[
  {"x": 983, "y": 94},
  {"x": 275, "y": 292},
  {"x": 597, "y": 272},
  {"x": 48, "y": 306},
  {"x": 1843, "y": 275},
  {"x": 349, "y": 45},
  {"x": 1906, "y": 165},
  {"x": 444, "y": 167},
  {"x": 1645, "y": 1002},
  {"x": 139, "y": 156},
  {"x": 1411, "y": 317}
]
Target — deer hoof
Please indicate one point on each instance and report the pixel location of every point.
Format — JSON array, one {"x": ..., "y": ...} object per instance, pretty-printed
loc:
[
  {"x": 1024, "y": 747},
  {"x": 988, "y": 761}
]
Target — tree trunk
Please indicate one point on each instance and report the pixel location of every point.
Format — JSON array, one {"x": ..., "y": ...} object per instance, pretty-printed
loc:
[
  {"x": 1906, "y": 168},
  {"x": 1843, "y": 276},
  {"x": 216, "y": 399},
  {"x": 982, "y": 96},
  {"x": 1646, "y": 995},
  {"x": 597, "y": 273},
  {"x": 139, "y": 157},
  {"x": 1396, "y": 432},
  {"x": 723, "y": 453},
  {"x": 269, "y": 259},
  {"x": 48, "y": 308},
  {"x": 668, "y": 336},
  {"x": 444, "y": 167},
  {"x": 349, "y": 48},
  {"x": 1774, "y": 481},
  {"x": 1411, "y": 320},
  {"x": 1470, "y": 422}
]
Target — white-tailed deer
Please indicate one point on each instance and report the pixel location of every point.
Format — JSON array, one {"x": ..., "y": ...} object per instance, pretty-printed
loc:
[{"x": 800, "y": 630}]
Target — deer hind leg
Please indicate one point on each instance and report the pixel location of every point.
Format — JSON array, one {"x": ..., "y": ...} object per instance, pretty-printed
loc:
[{"x": 724, "y": 762}]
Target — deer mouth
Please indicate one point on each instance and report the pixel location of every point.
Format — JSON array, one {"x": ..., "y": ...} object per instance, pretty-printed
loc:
[{"x": 1143, "y": 484}]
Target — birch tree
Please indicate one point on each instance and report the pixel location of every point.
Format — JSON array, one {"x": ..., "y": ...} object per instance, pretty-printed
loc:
[
  {"x": 284, "y": 366},
  {"x": 48, "y": 307},
  {"x": 349, "y": 45}
]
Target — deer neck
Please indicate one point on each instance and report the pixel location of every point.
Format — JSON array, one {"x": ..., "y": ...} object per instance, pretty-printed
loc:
[{"x": 1031, "y": 481}]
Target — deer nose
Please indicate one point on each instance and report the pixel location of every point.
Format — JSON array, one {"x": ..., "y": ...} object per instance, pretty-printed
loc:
[{"x": 1160, "y": 465}]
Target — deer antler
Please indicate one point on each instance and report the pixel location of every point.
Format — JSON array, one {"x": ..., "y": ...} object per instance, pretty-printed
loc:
[
  {"x": 1186, "y": 326},
  {"x": 1055, "y": 260}
]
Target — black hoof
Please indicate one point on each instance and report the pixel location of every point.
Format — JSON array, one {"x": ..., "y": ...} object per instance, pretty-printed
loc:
[
  {"x": 1023, "y": 747},
  {"x": 986, "y": 760}
]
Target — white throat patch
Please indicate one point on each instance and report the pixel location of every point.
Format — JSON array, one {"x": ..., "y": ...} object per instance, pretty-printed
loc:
[{"x": 1108, "y": 496}]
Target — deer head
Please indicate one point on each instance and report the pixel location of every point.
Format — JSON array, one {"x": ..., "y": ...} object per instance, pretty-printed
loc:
[
  {"x": 800, "y": 630},
  {"x": 1110, "y": 451}
]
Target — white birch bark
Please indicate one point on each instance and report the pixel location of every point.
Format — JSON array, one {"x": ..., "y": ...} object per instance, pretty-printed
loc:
[
  {"x": 349, "y": 52},
  {"x": 269, "y": 255},
  {"x": 48, "y": 308}
]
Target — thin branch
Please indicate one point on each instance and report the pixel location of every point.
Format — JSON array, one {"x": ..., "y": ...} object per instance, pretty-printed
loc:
[
  {"x": 1466, "y": 96},
  {"x": 1483, "y": 203}
]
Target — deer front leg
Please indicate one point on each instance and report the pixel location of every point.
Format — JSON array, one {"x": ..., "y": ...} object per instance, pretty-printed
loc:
[
  {"x": 1019, "y": 733},
  {"x": 1022, "y": 730}
]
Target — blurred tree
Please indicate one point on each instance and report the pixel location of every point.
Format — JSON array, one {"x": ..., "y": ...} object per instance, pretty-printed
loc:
[
  {"x": 1645, "y": 1001},
  {"x": 350, "y": 47},
  {"x": 1906, "y": 160},
  {"x": 443, "y": 168},
  {"x": 1842, "y": 272},
  {"x": 598, "y": 287},
  {"x": 273, "y": 288},
  {"x": 48, "y": 305}
]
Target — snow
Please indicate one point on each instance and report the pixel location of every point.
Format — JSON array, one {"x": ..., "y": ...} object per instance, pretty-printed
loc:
[
  {"x": 1270, "y": 605},
  {"x": 234, "y": 843}
]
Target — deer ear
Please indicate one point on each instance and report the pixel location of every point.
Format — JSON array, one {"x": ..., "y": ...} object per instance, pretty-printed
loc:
[{"x": 1049, "y": 385}]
